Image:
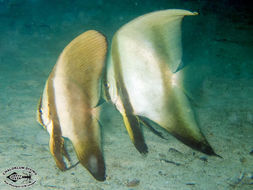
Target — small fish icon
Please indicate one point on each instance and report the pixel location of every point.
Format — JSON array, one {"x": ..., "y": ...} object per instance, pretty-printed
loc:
[{"x": 15, "y": 177}]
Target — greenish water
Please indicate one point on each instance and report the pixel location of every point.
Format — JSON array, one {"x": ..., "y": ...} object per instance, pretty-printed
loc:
[{"x": 217, "y": 52}]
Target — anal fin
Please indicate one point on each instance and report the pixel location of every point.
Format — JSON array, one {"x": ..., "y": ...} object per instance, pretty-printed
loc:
[
  {"x": 57, "y": 148},
  {"x": 201, "y": 145},
  {"x": 91, "y": 157}
]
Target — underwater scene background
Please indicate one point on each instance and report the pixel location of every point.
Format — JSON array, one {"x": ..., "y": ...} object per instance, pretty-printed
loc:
[{"x": 218, "y": 59}]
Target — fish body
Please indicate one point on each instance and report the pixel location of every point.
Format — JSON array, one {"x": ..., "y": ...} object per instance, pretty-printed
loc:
[
  {"x": 68, "y": 108},
  {"x": 145, "y": 79}
]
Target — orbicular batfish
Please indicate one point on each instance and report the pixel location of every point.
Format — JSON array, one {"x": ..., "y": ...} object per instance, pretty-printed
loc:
[
  {"x": 68, "y": 105},
  {"x": 145, "y": 81}
]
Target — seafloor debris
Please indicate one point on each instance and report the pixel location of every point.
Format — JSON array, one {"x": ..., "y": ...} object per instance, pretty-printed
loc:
[
  {"x": 244, "y": 178},
  {"x": 132, "y": 183},
  {"x": 191, "y": 184},
  {"x": 203, "y": 158},
  {"x": 162, "y": 174},
  {"x": 173, "y": 150},
  {"x": 243, "y": 160},
  {"x": 170, "y": 162}
]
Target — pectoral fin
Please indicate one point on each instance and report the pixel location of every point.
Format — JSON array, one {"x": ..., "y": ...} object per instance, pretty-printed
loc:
[
  {"x": 100, "y": 102},
  {"x": 150, "y": 127},
  {"x": 134, "y": 130}
]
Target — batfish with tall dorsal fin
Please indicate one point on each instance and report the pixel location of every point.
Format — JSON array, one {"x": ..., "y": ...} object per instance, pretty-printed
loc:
[
  {"x": 68, "y": 105},
  {"x": 145, "y": 81}
]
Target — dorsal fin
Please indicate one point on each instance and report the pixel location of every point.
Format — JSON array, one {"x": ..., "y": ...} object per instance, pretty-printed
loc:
[
  {"x": 85, "y": 54},
  {"x": 163, "y": 31}
]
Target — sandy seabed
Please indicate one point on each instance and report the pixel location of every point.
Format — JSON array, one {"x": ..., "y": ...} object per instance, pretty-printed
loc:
[{"x": 217, "y": 47}]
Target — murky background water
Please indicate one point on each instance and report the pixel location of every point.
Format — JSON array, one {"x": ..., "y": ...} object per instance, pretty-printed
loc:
[{"x": 218, "y": 52}]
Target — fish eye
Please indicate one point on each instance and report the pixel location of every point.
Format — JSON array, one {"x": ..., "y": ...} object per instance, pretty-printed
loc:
[{"x": 107, "y": 85}]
